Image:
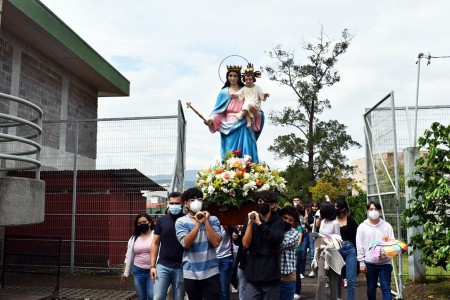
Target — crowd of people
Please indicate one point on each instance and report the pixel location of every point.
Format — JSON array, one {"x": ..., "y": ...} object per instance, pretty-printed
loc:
[{"x": 264, "y": 258}]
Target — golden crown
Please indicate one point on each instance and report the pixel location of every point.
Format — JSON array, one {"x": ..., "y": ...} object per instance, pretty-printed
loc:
[
  {"x": 251, "y": 71},
  {"x": 236, "y": 68}
]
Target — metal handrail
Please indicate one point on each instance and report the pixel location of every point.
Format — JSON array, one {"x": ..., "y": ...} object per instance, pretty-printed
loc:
[{"x": 32, "y": 141}]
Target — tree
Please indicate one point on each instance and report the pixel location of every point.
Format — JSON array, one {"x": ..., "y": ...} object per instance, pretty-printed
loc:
[
  {"x": 320, "y": 144},
  {"x": 336, "y": 186},
  {"x": 431, "y": 206}
]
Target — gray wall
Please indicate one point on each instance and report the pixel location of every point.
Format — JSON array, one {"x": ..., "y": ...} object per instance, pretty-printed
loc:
[{"x": 26, "y": 73}]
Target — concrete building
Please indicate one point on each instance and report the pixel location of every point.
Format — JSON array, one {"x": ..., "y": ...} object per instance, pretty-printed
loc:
[{"x": 45, "y": 62}]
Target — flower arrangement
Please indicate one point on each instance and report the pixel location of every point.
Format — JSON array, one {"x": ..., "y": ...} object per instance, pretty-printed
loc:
[{"x": 236, "y": 181}]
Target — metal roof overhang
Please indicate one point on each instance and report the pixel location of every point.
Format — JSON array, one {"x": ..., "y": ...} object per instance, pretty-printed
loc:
[{"x": 34, "y": 23}]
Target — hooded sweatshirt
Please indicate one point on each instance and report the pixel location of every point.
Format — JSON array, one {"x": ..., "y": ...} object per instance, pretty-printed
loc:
[{"x": 369, "y": 234}]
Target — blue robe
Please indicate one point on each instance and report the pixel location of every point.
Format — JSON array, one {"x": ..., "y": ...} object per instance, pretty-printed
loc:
[{"x": 235, "y": 135}]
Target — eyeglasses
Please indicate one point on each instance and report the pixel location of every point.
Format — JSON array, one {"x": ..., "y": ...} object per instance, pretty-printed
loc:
[{"x": 199, "y": 199}]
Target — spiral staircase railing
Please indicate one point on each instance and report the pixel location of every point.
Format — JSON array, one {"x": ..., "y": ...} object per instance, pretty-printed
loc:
[{"x": 14, "y": 146}]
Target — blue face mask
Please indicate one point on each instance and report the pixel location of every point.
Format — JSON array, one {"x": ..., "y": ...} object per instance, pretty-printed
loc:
[{"x": 175, "y": 209}]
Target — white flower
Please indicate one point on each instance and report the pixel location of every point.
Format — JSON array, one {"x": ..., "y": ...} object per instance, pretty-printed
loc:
[{"x": 210, "y": 189}]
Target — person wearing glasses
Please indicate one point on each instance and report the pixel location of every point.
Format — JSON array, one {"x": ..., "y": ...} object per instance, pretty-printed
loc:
[
  {"x": 263, "y": 235},
  {"x": 199, "y": 233}
]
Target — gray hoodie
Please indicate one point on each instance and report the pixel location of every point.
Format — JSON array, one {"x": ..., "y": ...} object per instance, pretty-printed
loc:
[{"x": 368, "y": 235}]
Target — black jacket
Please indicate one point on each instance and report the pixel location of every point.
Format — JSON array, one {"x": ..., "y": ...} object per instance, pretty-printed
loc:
[{"x": 263, "y": 256}]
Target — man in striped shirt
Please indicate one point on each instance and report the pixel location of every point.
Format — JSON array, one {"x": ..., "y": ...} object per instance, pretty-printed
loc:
[{"x": 199, "y": 233}]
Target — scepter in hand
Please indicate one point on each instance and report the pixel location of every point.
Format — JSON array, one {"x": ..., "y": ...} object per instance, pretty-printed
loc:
[{"x": 207, "y": 122}]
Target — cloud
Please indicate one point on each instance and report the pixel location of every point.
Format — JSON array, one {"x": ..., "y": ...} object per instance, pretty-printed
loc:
[{"x": 171, "y": 50}]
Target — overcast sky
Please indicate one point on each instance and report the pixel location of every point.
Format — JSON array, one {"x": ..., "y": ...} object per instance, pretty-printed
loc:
[{"x": 171, "y": 50}]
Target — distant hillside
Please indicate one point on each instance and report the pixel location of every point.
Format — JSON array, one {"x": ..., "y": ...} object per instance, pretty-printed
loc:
[{"x": 190, "y": 178}]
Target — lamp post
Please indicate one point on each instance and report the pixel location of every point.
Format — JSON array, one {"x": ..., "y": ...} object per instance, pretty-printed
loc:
[{"x": 420, "y": 56}]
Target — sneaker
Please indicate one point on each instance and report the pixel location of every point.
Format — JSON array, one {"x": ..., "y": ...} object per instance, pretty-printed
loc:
[
  {"x": 312, "y": 275},
  {"x": 327, "y": 285},
  {"x": 297, "y": 296},
  {"x": 302, "y": 276},
  {"x": 344, "y": 282}
]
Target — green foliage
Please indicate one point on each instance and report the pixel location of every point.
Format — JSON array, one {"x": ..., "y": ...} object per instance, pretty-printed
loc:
[
  {"x": 357, "y": 204},
  {"x": 431, "y": 206},
  {"x": 318, "y": 145},
  {"x": 334, "y": 185},
  {"x": 297, "y": 182}
]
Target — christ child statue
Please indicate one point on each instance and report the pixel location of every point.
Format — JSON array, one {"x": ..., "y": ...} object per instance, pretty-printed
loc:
[{"x": 251, "y": 94}]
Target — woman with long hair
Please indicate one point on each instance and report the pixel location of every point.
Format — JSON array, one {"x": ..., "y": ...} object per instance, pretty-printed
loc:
[
  {"x": 137, "y": 258},
  {"x": 348, "y": 228},
  {"x": 326, "y": 254},
  {"x": 311, "y": 227}
]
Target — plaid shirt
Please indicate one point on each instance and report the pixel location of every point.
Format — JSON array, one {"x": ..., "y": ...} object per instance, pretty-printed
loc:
[{"x": 288, "y": 257}]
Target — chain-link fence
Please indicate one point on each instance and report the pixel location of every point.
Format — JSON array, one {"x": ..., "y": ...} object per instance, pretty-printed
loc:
[
  {"x": 388, "y": 131},
  {"x": 99, "y": 175}
]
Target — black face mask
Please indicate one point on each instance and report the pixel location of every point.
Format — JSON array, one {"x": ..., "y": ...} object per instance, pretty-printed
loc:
[
  {"x": 264, "y": 208},
  {"x": 143, "y": 228},
  {"x": 287, "y": 226}
]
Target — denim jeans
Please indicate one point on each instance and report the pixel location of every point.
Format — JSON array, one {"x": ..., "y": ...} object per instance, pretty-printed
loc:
[
  {"x": 287, "y": 290},
  {"x": 142, "y": 283},
  {"x": 348, "y": 252},
  {"x": 298, "y": 286},
  {"x": 311, "y": 249},
  {"x": 304, "y": 246},
  {"x": 242, "y": 283},
  {"x": 225, "y": 269},
  {"x": 166, "y": 276},
  {"x": 375, "y": 272}
]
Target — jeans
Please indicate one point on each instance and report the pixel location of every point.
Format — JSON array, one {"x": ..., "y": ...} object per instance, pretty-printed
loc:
[
  {"x": 375, "y": 272},
  {"x": 242, "y": 283},
  {"x": 298, "y": 286},
  {"x": 305, "y": 245},
  {"x": 287, "y": 290},
  {"x": 142, "y": 283},
  {"x": 203, "y": 289},
  {"x": 166, "y": 276},
  {"x": 348, "y": 252},
  {"x": 225, "y": 269},
  {"x": 311, "y": 249}
]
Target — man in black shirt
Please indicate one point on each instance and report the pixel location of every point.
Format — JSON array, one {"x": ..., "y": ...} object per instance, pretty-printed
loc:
[
  {"x": 168, "y": 270},
  {"x": 263, "y": 234}
]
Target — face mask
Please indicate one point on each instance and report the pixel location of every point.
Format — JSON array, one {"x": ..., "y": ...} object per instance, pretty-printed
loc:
[
  {"x": 195, "y": 206},
  {"x": 264, "y": 208},
  {"x": 175, "y": 209},
  {"x": 374, "y": 214},
  {"x": 143, "y": 228},
  {"x": 287, "y": 226}
]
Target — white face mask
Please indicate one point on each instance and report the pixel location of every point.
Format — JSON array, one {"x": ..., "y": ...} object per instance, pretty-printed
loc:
[
  {"x": 374, "y": 214},
  {"x": 195, "y": 206}
]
